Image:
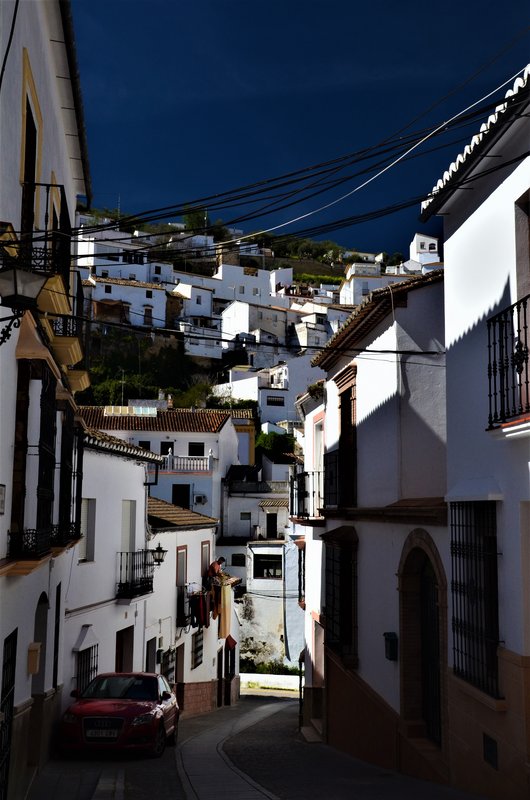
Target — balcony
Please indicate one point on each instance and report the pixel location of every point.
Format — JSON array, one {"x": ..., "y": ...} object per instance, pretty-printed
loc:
[
  {"x": 187, "y": 464},
  {"x": 30, "y": 544},
  {"x": 65, "y": 339},
  {"x": 136, "y": 572},
  {"x": 46, "y": 242},
  {"x": 508, "y": 364},
  {"x": 307, "y": 495},
  {"x": 64, "y": 535}
]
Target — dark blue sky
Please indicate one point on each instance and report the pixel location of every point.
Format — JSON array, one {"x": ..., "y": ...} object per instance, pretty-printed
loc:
[{"x": 189, "y": 99}]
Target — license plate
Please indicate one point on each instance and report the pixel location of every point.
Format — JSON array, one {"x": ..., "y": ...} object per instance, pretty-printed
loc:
[{"x": 102, "y": 734}]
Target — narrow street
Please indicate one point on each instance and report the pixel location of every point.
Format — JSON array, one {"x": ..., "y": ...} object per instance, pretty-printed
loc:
[{"x": 248, "y": 751}]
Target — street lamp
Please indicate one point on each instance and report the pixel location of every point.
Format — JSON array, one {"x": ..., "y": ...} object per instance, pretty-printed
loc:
[
  {"x": 19, "y": 289},
  {"x": 159, "y": 555}
]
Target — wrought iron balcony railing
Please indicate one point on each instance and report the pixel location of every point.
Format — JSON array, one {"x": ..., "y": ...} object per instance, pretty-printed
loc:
[
  {"x": 66, "y": 326},
  {"x": 45, "y": 244},
  {"x": 508, "y": 363},
  {"x": 29, "y": 544},
  {"x": 307, "y": 494},
  {"x": 63, "y": 535},
  {"x": 136, "y": 572}
]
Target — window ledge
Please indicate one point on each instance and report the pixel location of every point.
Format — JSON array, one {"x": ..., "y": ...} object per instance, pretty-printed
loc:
[{"x": 494, "y": 703}]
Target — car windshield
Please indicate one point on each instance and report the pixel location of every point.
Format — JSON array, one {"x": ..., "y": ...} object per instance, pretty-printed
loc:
[{"x": 122, "y": 687}]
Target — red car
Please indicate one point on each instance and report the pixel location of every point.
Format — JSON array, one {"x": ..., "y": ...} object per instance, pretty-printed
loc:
[{"x": 125, "y": 711}]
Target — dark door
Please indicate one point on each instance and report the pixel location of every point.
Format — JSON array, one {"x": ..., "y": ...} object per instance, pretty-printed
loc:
[
  {"x": 6, "y": 707},
  {"x": 272, "y": 526},
  {"x": 430, "y": 653},
  {"x": 124, "y": 649},
  {"x": 181, "y": 495}
]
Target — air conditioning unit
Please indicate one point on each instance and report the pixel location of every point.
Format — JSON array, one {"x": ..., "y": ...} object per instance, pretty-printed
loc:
[
  {"x": 200, "y": 499},
  {"x": 156, "y": 279}
]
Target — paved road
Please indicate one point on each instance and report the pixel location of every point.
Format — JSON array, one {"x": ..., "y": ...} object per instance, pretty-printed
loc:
[{"x": 250, "y": 751}]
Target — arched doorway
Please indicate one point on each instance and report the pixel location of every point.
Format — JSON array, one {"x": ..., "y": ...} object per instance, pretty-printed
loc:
[{"x": 423, "y": 637}]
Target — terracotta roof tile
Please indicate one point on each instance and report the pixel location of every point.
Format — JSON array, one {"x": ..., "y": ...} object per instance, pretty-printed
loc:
[
  {"x": 162, "y": 514},
  {"x": 177, "y": 420},
  {"x": 98, "y": 440}
]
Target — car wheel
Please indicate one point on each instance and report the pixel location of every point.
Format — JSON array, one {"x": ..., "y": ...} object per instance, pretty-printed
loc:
[{"x": 159, "y": 744}]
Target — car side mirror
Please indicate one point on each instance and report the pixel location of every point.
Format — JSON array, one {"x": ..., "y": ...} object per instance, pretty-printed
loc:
[{"x": 166, "y": 695}]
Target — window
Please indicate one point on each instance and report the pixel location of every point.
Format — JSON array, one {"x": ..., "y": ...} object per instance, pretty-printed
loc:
[
  {"x": 475, "y": 594},
  {"x": 108, "y": 289},
  {"x": 205, "y": 557},
  {"x": 158, "y": 270},
  {"x": 198, "y": 300},
  {"x": 267, "y": 565},
  {"x": 432, "y": 247},
  {"x": 275, "y": 401},
  {"x": 87, "y": 666},
  {"x": 241, "y": 290},
  {"x": 422, "y": 245},
  {"x": 149, "y": 294},
  {"x": 180, "y": 582},
  {"x": 341, "y": 593},
  {"x": 144, "y": 444},
  {"x": 196, "y": 649},
  {"x": 195, "y": 448},
  {"x": 104, "y": 273},
  {"x": 301, "y": 572},
  {"x": 245, "y": 515},
  {"x": 238, "y": 560},
  {"x": 166, "y": 448},
  {"x": 86, "y": 545},
  {"x": 182, "y": 566},
  {"x": 148, "y": 316},
  {"x": 255, "y": 290},
  {"x": 128, "y": 525}
]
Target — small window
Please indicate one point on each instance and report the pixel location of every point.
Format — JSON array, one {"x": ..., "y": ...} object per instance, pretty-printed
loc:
[
  {"x": 275, "y": 401},
  {"x": 149, "y": 293},
  {"x": 196, "y": 649},
  {"x": 144, "y": 444},
  {"x": 195, "y": 448},
  {"x": 108, "y": 289},
  {"x": 255, "y": 290},
  {"x": 432, "y": 246},
  {"x": 422, "y": 245},
  {"x": 166, "y": 448},
  {"x": 238, "y": 560},
  {"x": 104, "y": 273},
  {"x": 198, "y": 300},
  {"x": 241, "y": 290},
  {"x": 158, "y": 270},
  {"x": 245, "y": 515},
  {"x": 148, "y": 316}
]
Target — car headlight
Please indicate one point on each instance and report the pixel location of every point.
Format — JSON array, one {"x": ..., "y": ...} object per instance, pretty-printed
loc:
[
  {"x": 68, "y": 717},
  {"x": 143, "y": 719}
]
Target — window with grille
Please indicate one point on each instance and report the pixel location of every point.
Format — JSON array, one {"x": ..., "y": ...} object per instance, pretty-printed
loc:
[
  {"x": 87, "y": 666},
  {"x": 196, "y": 649},
  {"x": 341, "y": 594},
  {"x": 475, "y": 594}
]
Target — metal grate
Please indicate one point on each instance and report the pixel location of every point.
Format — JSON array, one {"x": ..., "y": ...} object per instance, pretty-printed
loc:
[
  {"x": 87, "y": 666},
  {"x": 341, "y": 600},
  {"x": 196, "y": 649},
  {"x": 508, "y": 363},
  {"x": 475, "y": 594}
]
